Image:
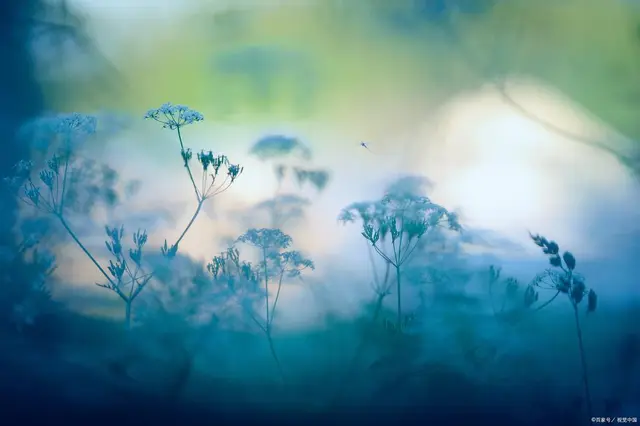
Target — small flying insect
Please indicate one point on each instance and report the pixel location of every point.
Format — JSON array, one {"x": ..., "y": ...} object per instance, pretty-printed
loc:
[
  {"x": 375, "y": 149},
  {"x": 366, "y": 146}
]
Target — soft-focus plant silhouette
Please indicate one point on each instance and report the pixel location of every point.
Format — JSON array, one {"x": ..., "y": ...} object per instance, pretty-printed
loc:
[
  {"x": 243, "y": 279},
  {"x": 508, "y": 309},
  {"x": 48, "y": 190},
  {"x": 563, "y": 279},
  {"x": 505, "y": 296},
  {"x": 510, "y": 291},
  {"x": 404, "y": 219},
  {"x": 283, "y": 207},
  {"x": 381, "y": 286},
  {"x": 24, "y": 291},
  {"x": 277, "y": 146}
]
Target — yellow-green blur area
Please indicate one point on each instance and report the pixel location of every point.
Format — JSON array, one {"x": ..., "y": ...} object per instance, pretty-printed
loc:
[{"x": 323, "y": 62}]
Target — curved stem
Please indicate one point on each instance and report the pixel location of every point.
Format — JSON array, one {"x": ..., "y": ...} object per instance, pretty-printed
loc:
[
  {"x": 193, "y": 219},
  {"x": 547, "y": 302},
  {"x": 482, "y": 71}
]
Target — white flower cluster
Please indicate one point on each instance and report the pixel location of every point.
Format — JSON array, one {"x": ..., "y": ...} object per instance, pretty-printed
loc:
[{"x": 174, "y": 116}]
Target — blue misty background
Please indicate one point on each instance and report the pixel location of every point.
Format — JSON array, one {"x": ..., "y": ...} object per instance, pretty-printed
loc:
[{"x": 472, "y": 346}]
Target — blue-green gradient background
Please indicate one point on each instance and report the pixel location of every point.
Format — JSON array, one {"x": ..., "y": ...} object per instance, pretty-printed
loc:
[{"x": 523, "y": 115}]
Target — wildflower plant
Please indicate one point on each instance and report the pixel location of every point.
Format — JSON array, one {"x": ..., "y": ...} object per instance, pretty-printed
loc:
[
  {"x": 394, "y": 227},
  {"x": 563, "y": 279},
  {"x": 25, "y": 293},
  {"x": 249, "y": 283},
  {"x": 509, "y": 293},
  {"x": 381, "y": 287},
  {"x": 278, "y": 146},
  {"x": 47, "y": 190},
  {"x": 282, "y": 207}
]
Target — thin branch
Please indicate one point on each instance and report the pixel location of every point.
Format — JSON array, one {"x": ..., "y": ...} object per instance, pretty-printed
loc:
[
  {"x": 275, "y": 302},
  {"x": 186, "y": 165},
  {"x": 350, "y": 372},
  {"x": 499, "y": 84},
  {"x": 212, "y": 191},
  {"x": 52, "y": 196},
  {"x": 114, "y": 286},
  {"x": 258, "y": 323},
  {"x": 110, "y": 287},
  {"x": 266, "y": 288},
  {"x": 373, "y": 263},
  {"x": 41, "y": 199},
  {"x": 28, "y": 202},
  {"x": 275, "y": 358},
  {"x": 141, "y": 286},
  {"x": 583, "y": 359},
  {"x": 193, "y": 218},
  {"x": 410, "y": 252},
  {"x": 133, "y": 277},
  {"x": 547, "y": 302},
  {"x": 395, "y": 251},
  {"x": 399, "y": 254},
  {"x": 491, "y": 282},
  {"x": 383, "y": 255},
  {"x": 64, "y": 181}
]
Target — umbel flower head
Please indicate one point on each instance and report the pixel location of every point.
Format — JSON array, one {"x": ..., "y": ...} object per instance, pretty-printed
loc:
[
  {"x": 74, "y": 122},
  {"x": 174, "y": 116},
  {"x": 266, "y": 238},
  {"x": 59, "y": 132},
  {"x": 395, "y": 214}
]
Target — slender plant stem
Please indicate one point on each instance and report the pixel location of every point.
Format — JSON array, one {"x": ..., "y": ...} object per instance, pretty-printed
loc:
[
  {"x": 64, "y": 182},
  {"x": 134, "y": 280},
  {"x": 269, "y": 317},
  {"x": 399, "y": 298},
  {"x": 275, "y": 357},
  {"x": 492, "y": 280},
  {"x": 84, "y": 249},
  {"x": 193, "y": 219},
  {"x": 127, "y": 314},
  {"x": 193, "y": 182},
  {"x": 266, "y": 291},
  {"x": 275, "y": 300},
  {"x": 348, "y": 376},
  {"x": 547, "y": 302},
  {"x": 583, "y": 360}
]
